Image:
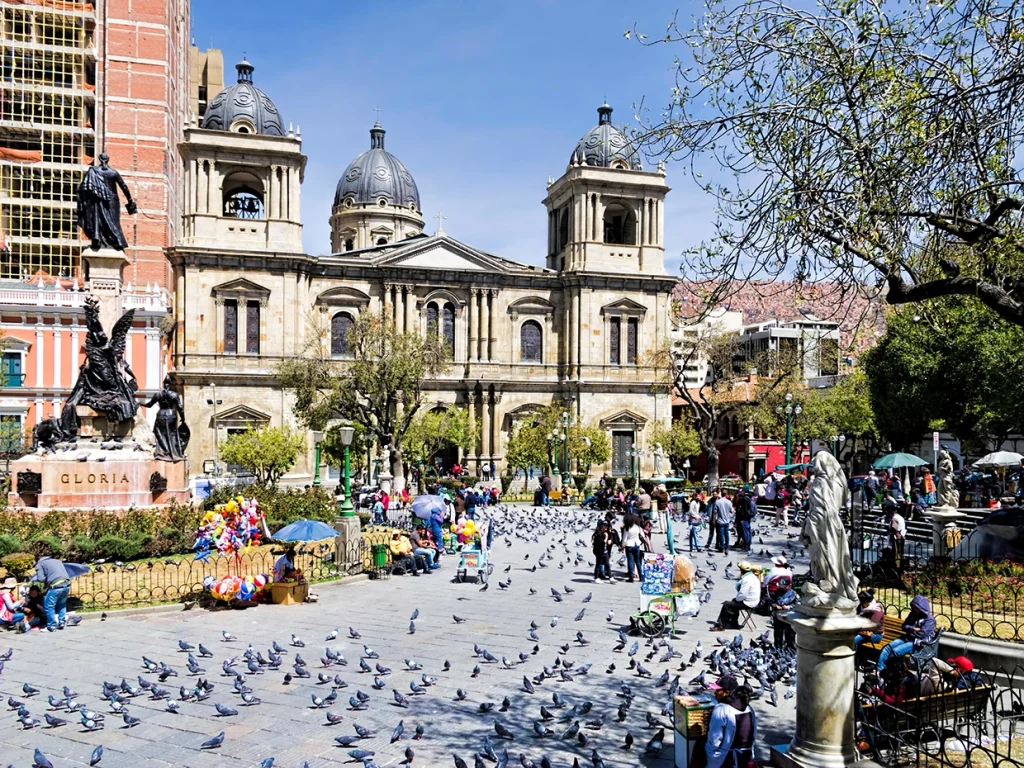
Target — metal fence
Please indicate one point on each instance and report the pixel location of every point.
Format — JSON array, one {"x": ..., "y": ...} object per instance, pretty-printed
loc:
[
  {"x": 962, "y": 723},
  {"x": 180, "y": 578}
]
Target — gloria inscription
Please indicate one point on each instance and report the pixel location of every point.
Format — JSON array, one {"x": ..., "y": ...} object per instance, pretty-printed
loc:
[{"x": 109, "y": 479}]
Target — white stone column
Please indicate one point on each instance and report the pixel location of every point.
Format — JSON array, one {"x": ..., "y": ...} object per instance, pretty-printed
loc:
[
  {"x": 492, "y": 326},
  {"x": 128, "y": 345},
  {"x": 39, "y": 351},
  {"x": 824, "y": 736},
  {"x": 573, "y": 352},
  {"x": 39, "y": 415},
  {"x": 474, "y": 449},
  {"x": 202, "y": 185},
  {"x": 153, "y": 378},
  {"x": 57, "y": 352},
  {"x": 55, "y": 407},
  {"x": 474, "y": 323},
  {"x": 485, "y": 325},
  {"x": 410, "y": 309},
  {"x": 74, "y": 354},
  {"x": 486, "y": 426}
]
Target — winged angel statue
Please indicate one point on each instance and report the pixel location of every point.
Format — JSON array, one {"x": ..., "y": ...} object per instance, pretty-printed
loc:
[{"x": 105, "y": 381}]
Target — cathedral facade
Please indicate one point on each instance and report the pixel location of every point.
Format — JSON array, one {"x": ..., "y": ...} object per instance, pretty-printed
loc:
[{"x": 579, "y": 332}]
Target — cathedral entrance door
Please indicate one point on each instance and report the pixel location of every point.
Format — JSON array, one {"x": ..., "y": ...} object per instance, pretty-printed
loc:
[{"x": 622, "y": 442}]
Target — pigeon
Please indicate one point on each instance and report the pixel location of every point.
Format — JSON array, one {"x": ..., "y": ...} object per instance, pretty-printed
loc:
[
  {"x": 397, "y": 733},
  {"x": 332, "y": 635},
  {"x": 457, "y": 619},
  {"x": 333, "y": 718},
  {"x": 412, "y": 627},
  {"x": 297, "y": 642},
  {"x": 54, "y": 722},
  {"x": 228, "y": 638},
  {"x": 213, "y": 743},
  {"x": 225, "y": 711},
  {"x": 129, "y": 721},
  {"x": 39, "y": 760},
  {"x": 97, "y": 755},
  {"x": 400, "y": 700},
  {"x": 353, "y": 634},
  {"x": 502, "y": 731}
]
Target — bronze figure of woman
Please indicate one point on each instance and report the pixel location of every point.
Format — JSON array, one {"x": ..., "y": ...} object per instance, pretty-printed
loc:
[{"x": 171, "y": 438}]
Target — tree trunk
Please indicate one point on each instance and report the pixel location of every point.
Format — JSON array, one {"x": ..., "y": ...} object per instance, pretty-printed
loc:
[
  {"x": 713, "y": 456},
  {"x": 397, "y": 470}
]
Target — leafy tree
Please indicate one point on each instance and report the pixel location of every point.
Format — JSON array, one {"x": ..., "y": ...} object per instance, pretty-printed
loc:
[
  {"x": 679, "y": 440},
  {"x": 433, "y": 431},
  {"x": 874, "y": 146},
  {"x": 588, "y": 445},
  {"x": 952, "y": 364},
  {"x": 267, "y": 452},
  {"x": 333, "y": 450},
  {"x": 380, "y": 387},
  {"x": 527, "y": 447}
]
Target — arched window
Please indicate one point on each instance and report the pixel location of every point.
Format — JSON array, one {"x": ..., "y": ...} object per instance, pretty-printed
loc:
[
  {"x": 530, "y": 344},
  {"x": 341, "y": 324},
  {"x": 382, "y": 241},
  {"x": 243, "y": 203},
  {"x": 432, "y": 320},
  {"x": 619, "y": 225},
  {"x": 448, "y": 328},
  {"x": 350, "y": 244}
]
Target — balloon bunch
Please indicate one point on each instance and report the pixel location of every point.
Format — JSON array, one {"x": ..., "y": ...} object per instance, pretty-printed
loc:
[
  {"x": 230, "y": 528},
  {"x": 229, "y": 587}
]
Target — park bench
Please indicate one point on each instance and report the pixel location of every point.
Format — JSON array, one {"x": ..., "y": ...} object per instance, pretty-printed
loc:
[
  {"x": 894, "y": 728},
  {"x": 892, "y": 629}
]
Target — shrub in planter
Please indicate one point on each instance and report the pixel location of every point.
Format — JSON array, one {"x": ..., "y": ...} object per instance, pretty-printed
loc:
[
  {"x": 581, "y": 482},
  {"x": 628, "y": 482},
  {"x": 9, "y": 543},
  {"x": 18, "y": 563},
  {"x": 118, "y": 548},
  {"x": 44, "y": 546}
]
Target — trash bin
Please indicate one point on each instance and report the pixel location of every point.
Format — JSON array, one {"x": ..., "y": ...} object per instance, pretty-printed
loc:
[{"x": 379, "y": 553}]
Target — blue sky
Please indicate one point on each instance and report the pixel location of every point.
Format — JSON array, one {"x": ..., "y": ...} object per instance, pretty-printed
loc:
[{"x": 482, "y": 101}]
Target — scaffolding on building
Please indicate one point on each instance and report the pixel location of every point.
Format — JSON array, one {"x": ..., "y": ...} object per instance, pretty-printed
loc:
[{"x": 47, "y": 133}]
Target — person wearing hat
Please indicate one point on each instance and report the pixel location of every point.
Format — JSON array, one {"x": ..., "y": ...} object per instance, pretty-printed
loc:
[
  {"x": 965, "y": 676},
  {"x": 12, "y": 615},
  {"x": 733, "y": 726},
  {"x": 780, "y": 569},
  {"x": 748, "y": 597}
]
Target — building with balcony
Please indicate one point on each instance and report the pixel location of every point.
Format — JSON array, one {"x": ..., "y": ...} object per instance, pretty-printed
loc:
[{"x": 579, "y": 333}]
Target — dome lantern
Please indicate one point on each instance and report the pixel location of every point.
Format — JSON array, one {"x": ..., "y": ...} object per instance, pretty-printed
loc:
[
  {"x": 244, "y": 108},
  {"x": 605, "y": 146}
]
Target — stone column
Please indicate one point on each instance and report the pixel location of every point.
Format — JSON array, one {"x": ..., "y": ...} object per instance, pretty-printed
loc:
[
  {"x": 58, "y": 372},
  {"x": 410, "y": 307},
  {"x": 474, "y": 322},
  {"x": 39, "y": 383},
  {"x": 74, "y": 354},
  {"x": 484, "y": 331},
  {"x": 486, "y": 426},
  {"x": 492, "y": 325},
  {"x": 941, "y": 517},
  {"x": 474, "y": 449},
  {"x": 824, "y": 736}
]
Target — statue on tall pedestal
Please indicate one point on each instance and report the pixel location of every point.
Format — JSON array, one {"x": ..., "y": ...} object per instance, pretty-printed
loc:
[
  {"x": 659, "y": 457},
  {"x": 823, "y": 533},
  {"x": 98, "y": 210},
  {"x": 106, "y": 382},
  {"x": 948, "y": 495}
]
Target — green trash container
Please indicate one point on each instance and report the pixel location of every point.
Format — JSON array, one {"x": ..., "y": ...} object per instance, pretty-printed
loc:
[{"x": 379, "y": 553}]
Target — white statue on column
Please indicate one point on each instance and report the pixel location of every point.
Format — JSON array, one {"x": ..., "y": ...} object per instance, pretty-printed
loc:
[
  {"x": 659, "y": 457},
  {"x": 834, "y": 586},
  {"x": 948, "y": 495}
]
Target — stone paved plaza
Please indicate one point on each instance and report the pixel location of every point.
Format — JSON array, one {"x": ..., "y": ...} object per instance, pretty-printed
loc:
[{"x": 287, "y": 727}]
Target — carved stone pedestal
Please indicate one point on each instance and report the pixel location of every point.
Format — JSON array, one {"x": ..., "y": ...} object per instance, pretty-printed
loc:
[
  {"x": 824, "y": 691},
  {"x": 93, "y": 424},
  {"x": 941, "y": 517},
  {"x": 347, "y": 541},
  {"x": 384, "y": 481},
  {"x": 104, "y": 281}
]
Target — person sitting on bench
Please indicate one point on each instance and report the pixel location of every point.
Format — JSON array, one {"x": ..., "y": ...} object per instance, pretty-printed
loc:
[
  {"x": 899, "y": 683},
  {"x": 918, "y": 629},
  {"x": 403, "y": 558},
  {"x": 748, "y": 597},
  {"x": 870, "y": 609}
]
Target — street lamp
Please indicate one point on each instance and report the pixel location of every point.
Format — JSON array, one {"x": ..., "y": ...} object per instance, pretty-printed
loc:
[
  {"x": 790, "y": 410},
  {"x": 635, "y": 454},
  {"x": 837, "y": 443},
  {"x": 318, "y": 436},
  {"x": 565, "y": 445},
  {"x": 347, "y": 433},
  {"x": 216, "y": 432}
]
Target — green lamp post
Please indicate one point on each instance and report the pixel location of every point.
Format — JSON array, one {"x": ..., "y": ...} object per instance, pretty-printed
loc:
[
  {"x": 790, "y": 410},
  {"x": 346, "y": 509},
  {"x": 318, "y": 437}
]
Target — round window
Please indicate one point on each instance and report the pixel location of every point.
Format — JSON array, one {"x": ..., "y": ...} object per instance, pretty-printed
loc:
[
  {"x": 348, "y": 202},
  {"x": 382, "y": 202}
]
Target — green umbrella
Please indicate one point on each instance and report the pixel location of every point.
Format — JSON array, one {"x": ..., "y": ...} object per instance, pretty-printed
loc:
[{"x": 898, "y": 461}]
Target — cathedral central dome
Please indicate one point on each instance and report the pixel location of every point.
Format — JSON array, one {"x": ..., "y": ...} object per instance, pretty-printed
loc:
[{"x": 377, "y": 177}]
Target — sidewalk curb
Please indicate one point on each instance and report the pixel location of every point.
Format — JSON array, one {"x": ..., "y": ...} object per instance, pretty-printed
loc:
[{"x": 145, "y": 610}]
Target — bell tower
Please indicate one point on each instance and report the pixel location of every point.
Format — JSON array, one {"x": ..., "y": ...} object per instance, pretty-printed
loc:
[{"x": 606, "y": 213}]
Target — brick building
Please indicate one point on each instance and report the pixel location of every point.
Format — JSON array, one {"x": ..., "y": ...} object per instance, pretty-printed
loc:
[{"x": 78, "y": 79}]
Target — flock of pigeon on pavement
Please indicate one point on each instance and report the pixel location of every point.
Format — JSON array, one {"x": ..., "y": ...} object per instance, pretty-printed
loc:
[{"x": 557, "y": 665}]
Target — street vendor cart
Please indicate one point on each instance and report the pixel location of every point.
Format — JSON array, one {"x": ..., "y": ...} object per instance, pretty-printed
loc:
[
  {"x": 666, "y": 580},
  {"x": 475, "y": 557}
]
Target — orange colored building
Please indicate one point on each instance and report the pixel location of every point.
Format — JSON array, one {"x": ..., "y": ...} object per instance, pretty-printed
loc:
[{"x": 78, "y": 79}]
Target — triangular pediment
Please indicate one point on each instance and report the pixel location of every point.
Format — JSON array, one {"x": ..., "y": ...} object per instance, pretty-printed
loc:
[
  {"x": 623, "y": 418},
  {"x": 241, "y": 285},
  {"x": 242, "y": 415},
  {"x": 442, "y": 253},
  {"x": 624, "y": 306}
]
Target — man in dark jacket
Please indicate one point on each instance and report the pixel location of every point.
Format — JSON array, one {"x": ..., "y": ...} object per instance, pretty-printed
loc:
[
  {"x": 918, "y": 629},
  {"x": 55, "y": 578}
]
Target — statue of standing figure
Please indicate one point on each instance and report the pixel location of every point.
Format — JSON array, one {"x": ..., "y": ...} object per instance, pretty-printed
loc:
[
  {"x": 659, "y": 457},
  {"x": 171, "y": 436},
  {"x": 98, "y": 209},
  {"x": 948, "y": 495},
  {"x": 834, "y": 586}
]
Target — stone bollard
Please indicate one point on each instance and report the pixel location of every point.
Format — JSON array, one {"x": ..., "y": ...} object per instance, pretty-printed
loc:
[
  {"x": 824, "y": 735},
  {"x": 940, "y": 518},
  {"x": 347, "y": 543}
]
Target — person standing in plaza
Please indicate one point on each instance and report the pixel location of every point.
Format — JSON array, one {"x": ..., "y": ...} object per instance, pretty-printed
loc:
[
  {"x": 643, "y": 503},
  {"x": 54, "y": 577},
  {"x": 660, "y": 501},
  {"x": 724, "y": 515},
  {"x": 602, "y": 543},
  {"x": 633, "y": 544},
  {"x": 695, "y": 520},
  {"x": 897, "y": 535},
  {"x": 712, "y": 521},
  {"x": 745, "y": 511}
]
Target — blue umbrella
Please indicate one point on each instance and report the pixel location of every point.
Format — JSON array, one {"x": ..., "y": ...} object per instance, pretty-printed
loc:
[
  {"x": 305, "y": 530},
  {"x": 75, "y": 570},
  {"x": 424, "y": 506}
]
